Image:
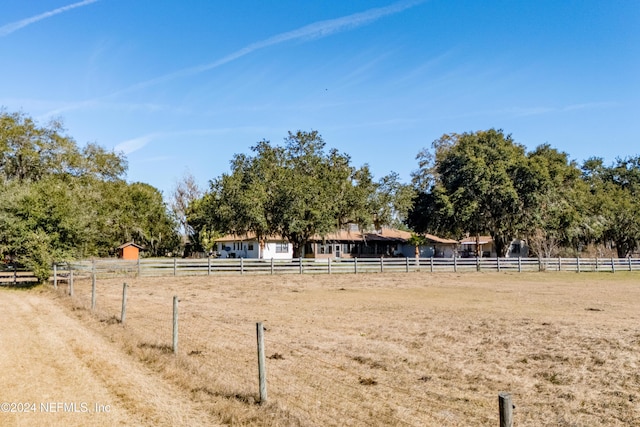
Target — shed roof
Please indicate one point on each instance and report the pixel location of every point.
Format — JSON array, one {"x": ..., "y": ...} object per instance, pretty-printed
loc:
[{"x": 125, "y": 245}]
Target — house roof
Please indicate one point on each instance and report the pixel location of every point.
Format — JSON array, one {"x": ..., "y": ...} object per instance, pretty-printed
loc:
[
  {"x": 437, "y": 239},
  {"x": 383, "y": 235},
  {"x": 125, "y": 245},
  {"x": 471, "y": 240},
  {"x": 248, "y": 237}
]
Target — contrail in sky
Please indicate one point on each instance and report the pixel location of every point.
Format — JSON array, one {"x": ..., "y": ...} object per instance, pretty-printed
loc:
[
  {"x": 15, "y": 26},
  {"x": 312, "y": 31}
]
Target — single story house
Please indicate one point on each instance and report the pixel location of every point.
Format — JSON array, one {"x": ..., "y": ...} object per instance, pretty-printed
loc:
[
  {"x": 387, "y": 242},
  {"x": 248, "y": 246},
  {"x": 351, "y": 243}
]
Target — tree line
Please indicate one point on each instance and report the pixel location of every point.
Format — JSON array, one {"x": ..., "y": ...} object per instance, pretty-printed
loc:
[
  {"x": 61, "y": 202},
  {"x": 470, "y": 184}
]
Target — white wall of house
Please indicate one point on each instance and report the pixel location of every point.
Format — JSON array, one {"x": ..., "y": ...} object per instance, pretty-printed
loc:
[
  {"x": 278, "y": 250},
  {"x": 251, "y": 249}
]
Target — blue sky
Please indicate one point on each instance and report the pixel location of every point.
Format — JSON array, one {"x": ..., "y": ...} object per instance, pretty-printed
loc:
[{"x": 182, "y": 86}]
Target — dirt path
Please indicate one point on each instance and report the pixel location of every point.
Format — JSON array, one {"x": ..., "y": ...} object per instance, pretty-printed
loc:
[{"x": 56, "y": 372}]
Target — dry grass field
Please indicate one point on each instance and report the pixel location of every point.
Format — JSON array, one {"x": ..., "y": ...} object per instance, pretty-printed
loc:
[{"x": 413, "y": 349}]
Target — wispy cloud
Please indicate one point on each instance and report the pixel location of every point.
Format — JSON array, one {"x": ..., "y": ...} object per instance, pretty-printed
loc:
[
  {"x": 15, "y": 26},
  {"x": 534, "y": 111},
  {"x": 312, "y": 31},
  {"x": 131, "y": 145}
]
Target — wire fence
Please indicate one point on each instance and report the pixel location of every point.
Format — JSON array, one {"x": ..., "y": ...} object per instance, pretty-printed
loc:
[
  {"x": 308, "y": 382},
  {"x": 162, "y": 267}
]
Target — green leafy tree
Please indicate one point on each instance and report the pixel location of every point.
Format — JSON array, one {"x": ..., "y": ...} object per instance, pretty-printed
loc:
[
  {"x": 391, "y": 201},
  {"x": 59, "y": 202},
  {"x": 614, "y": 202},
  {"x": 298, "y": 191},
  {"x": 476, "y": 183},
  {"x": 556, "y": 217}
]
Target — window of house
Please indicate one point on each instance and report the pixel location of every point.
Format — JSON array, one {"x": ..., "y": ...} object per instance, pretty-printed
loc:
[
  {"x": 282, "y": 248},
  {"x": 250, "y": 246},
  {"x": 515, "y": 249}
]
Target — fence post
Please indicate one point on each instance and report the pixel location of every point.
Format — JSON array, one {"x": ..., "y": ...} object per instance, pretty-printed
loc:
[
  {"x": 70, "y": 282},
  {"x": 629, "y": 259},
  {"x": 93, "y": 291},
  {"x": 406, "y": 262},
  {"x": 430, "y": 264},
  {"x": 498, "y": 263},
  {"x": 15, "y": 275},
  {"x": 300, "y": 261},
  {"x": 55, "y": 276},
  {"x": 209, "y": 265},
  {"x": 262, "y": 368},
  {"x": 578, "y": 264},
  {"x": 241, "y": 265},
  {"x": 506, "y": 409},
  {"x": 175, "y": 324},
  {"x": 355, "y": 265},
  {"x": 455, "y": 264},
  {"x": 597, "y": 264},
  {"x": 123, "y": 313},
  {"x": 139, "y": 269},
  {"x": 329, "y": 265},
  {"x": 271, "y": 265},
  {"x": 559, "y": 264},
  {"x": 539, "y": 264},
  {"x": 477, "y": 263},
  {"x": 175, "y": 266},
  {"x": 519, "y": 264},
  {"x": 381, "y": 265},
  {"x": 613, "y": 265}
]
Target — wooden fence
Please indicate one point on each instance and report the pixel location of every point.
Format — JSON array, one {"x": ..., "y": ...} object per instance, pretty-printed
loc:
[
  {"x": 17, "y": 277},
  {"x": 210, "y": 266}
]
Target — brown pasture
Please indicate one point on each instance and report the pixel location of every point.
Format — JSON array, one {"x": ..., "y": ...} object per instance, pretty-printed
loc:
[{"x": 385, "y": 349}]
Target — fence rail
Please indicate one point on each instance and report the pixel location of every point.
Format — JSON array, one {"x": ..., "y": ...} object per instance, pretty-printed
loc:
[
  {"x": 208, "y": 266},
  {"x": 17, "y": 277}
]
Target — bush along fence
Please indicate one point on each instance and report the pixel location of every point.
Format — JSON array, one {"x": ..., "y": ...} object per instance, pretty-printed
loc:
[
  {"x": 210, "y": 266},
  {"x": 254, "y": 367}
]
